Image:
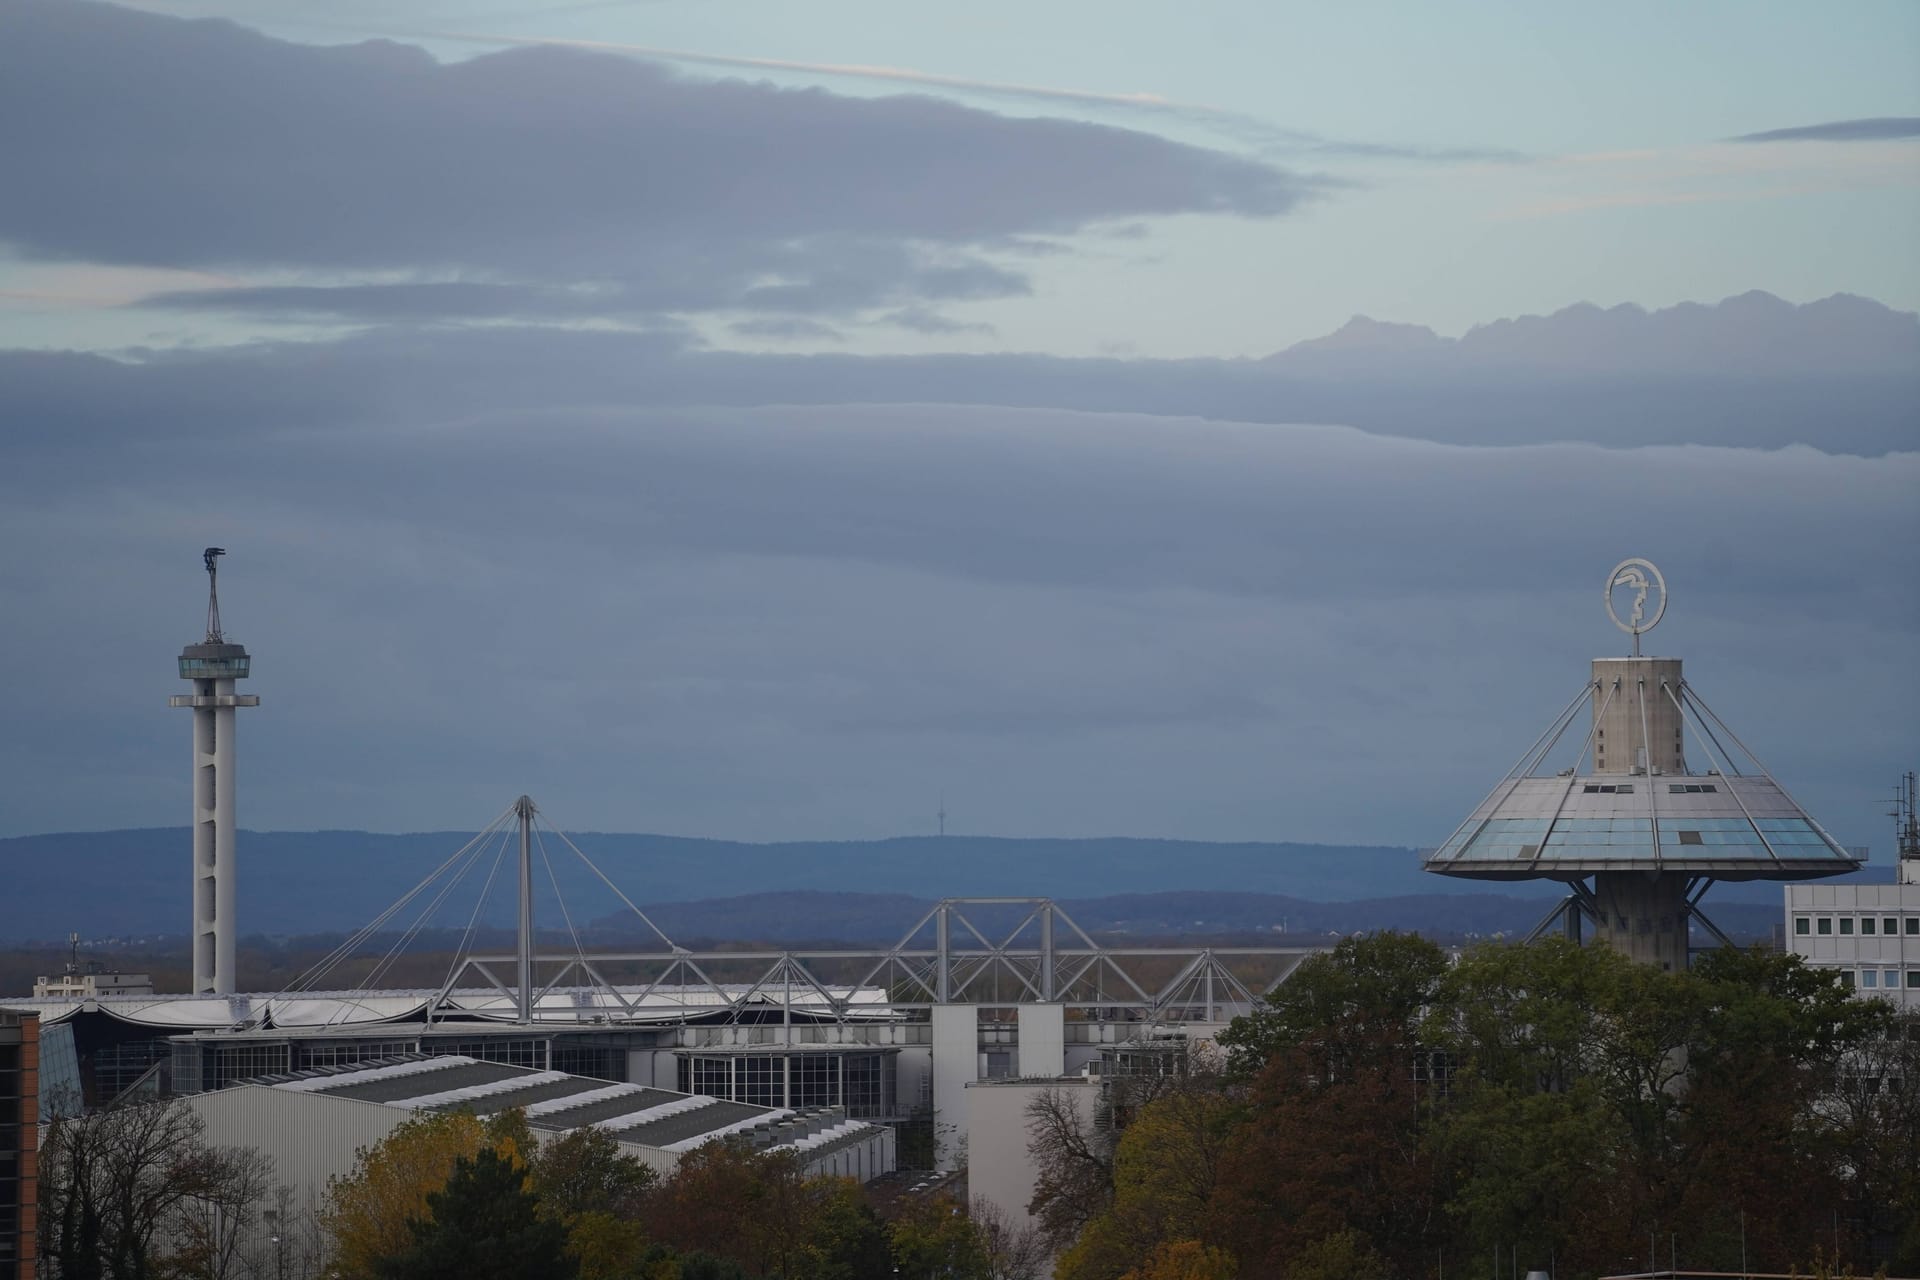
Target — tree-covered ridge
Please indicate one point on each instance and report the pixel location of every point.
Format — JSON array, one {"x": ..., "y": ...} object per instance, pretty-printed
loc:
[{"x": 1388, "y": 1113}]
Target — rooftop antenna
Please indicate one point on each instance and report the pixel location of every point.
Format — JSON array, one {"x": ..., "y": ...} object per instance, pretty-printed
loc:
[
  {"x": 73, "y": 953},
  {"x": 211, "y": 557},
  {"x": 1907, "y": 828}
]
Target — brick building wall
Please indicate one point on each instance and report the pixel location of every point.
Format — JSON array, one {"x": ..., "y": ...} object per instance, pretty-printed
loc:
[{"x": 19, "y": 1141}]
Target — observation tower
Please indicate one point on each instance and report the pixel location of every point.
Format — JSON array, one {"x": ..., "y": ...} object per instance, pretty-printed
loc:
[
  {"x": 1660, "y": 800},
  {"x": 213, "y": 665}
]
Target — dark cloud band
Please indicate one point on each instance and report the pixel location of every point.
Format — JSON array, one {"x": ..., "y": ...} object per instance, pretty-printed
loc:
[{"x": 1872, "y": 129}]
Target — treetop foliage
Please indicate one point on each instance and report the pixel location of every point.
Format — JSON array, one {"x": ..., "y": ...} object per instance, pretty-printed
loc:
[{"x": 1390, "y": 1107}]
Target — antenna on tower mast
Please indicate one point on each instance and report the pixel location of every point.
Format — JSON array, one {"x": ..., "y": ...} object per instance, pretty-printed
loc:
[
  {"x": 211, "y": 557},
  {"x": 1906, "y": 829}
]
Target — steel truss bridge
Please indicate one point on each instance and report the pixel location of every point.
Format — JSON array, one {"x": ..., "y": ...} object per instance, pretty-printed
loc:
[{"x": 959, "y": 952}]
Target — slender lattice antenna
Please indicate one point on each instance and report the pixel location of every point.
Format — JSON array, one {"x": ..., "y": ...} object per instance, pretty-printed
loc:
[{"x": 211, "y": 556}]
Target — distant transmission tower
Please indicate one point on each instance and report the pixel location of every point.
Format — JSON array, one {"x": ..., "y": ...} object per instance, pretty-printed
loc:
[{"x": 943, "y": 816}]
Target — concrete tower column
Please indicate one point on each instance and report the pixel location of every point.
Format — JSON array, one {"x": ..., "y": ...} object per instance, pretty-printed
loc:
[
  {"x": 1641, "y": 730},
  {"x": 213, "y": 666},
  {"x": 1642, "y": 914}
]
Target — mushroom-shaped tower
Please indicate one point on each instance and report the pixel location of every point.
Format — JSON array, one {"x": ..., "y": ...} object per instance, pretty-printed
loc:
[{"x": 1661, "y": 799}]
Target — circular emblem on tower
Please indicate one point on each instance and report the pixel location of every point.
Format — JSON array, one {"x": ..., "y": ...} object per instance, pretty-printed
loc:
[{"x": 1629, "y": 585}]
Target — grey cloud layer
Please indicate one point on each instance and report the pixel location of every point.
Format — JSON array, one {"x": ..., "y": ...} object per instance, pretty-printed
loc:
[
  {"x": 1871, "y": 129},
  {"x": 135, "y": 138},
  {"x": 1841, "y": 375},
  {"x": 790, "y": 622}
]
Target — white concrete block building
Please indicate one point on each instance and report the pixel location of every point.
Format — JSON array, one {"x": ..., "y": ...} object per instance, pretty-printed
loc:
[{"x": 1869, "y": 932}]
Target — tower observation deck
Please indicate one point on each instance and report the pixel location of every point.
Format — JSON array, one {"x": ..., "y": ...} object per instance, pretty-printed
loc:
[
  {"x": 213, "y": 665},
  {"x": 1660, "y": 800}
]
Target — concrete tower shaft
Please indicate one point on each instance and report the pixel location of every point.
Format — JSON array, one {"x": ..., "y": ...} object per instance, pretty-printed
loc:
[
  {"x": 1637, "y": 726},
  {"x": 1643, "y": 915},
  {"x": 213, "y": 666}
]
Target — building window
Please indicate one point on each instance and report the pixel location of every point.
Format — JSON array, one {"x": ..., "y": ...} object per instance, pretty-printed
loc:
[
  {"x": 1846, "y": 978},
  {"x": 1846, "y": 925},
  {"x": 1802, "y": 926},
  {"x": 516, "y": 1053},
  {"x": 1890, "y": 978},
  {"x": 339, "y": 1055},
  {"x": 1890, "y": 925},
  {"x": 761, "y": 1082},
  {"x": 1825, "y": 925},
  {"x": 247, "y": 1060},
  {"x": 1913, "y": 978},
  {"x": 815, "y": 1080},
  {"x": 1869, "y": 978},
  {"x": 1913, "y": 926},
  {"x": 1866, "y": 926}
]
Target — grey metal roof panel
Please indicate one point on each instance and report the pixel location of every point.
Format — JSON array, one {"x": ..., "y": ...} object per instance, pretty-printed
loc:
[
  {"x": 607, "y": 1109},
  {"x": 401, "y": 1088},
  {"x": 691, "y": 1124},
  {"x": 528, "y": 1096}
]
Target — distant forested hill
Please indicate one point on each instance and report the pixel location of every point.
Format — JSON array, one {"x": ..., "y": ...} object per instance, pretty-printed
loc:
[{"x": 133, "y": 883}]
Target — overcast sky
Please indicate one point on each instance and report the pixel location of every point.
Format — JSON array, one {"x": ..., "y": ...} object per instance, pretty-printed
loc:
[{"x": 763, "y": 421}]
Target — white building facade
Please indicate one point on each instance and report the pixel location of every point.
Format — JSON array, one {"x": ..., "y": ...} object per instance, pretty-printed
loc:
[{"x": 1870, "y": 933}]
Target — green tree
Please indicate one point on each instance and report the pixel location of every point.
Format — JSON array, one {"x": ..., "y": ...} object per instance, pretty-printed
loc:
[
  {"x": 1367, "y": 992},
  {"x": 483, "y": 1225},
  {"x": 585, "y": 1171}
]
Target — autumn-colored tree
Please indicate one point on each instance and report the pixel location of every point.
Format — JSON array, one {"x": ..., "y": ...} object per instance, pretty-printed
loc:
[
  {"x": 1316, "y": 1158},
  {"x": 761, "y": 1211},
  {"x": 1185, "y": 1260},
  {"x": 366, "y": 1214},
  {"x": 605, "y": 1245},
  {"x": 932, "y": 1236},
  {"x": 1165, "y": 1171},
  {"x": 1345, "y": 1255}
]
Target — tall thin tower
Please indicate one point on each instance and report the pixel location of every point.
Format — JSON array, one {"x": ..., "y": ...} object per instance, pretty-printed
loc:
[{"x": 213, "y": 665}]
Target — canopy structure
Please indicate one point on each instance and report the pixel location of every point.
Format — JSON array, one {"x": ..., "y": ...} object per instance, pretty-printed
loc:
[{"x": 1642, "y": 812}]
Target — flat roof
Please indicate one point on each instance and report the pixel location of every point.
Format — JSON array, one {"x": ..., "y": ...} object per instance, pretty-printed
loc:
[{"x": 560, "y": 1102}]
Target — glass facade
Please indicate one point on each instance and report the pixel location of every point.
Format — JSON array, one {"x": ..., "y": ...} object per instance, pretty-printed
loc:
[
  {"x": 1617, "y": 839},
  {"x": 117, "y": 1066},
  {"x": 516, "y": 1053},
  {"x": 590, "y": 1060},
  {"x": 861, "y": 1082},
  {"x": 339, "y": 1055},
  {"x": 215, "y": 668},
  {"x": 233, "y": 1063},
  {"x": 60, "y": 1089}
]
